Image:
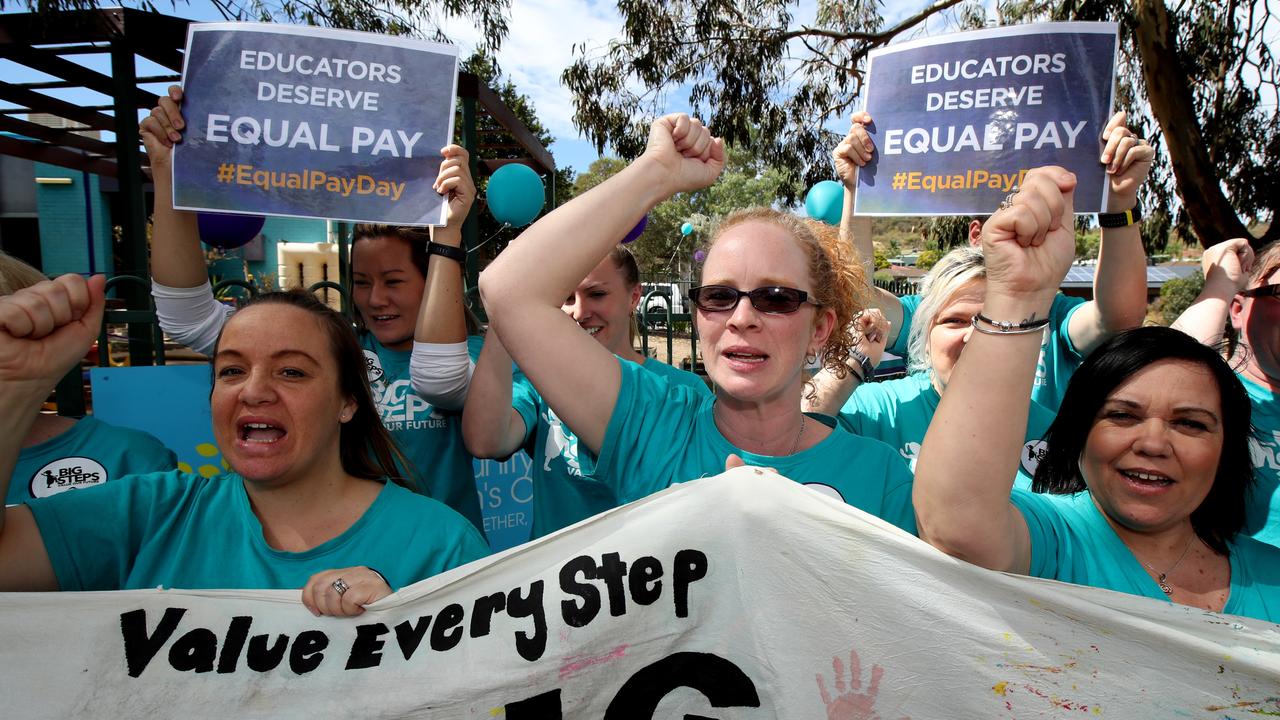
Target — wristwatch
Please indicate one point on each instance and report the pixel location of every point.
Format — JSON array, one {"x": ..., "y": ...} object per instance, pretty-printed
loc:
[
  {"x": 864, "y": 362},
  {"x": 1121, "y": 219},
  {"x": 456, "y": 254}
]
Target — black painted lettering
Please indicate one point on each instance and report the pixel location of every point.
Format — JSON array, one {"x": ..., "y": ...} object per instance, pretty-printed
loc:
[
  {"x": 539, "y": 707},
  {"x": 529, "y": 645},
  {"x": 690, "y": 567},
  {"x": 194, "y": 651},
  {"x": 139, "y": 646},
  {"x": 579, "y": 614},
  {"x": 409, "y": 634},
  {"x": 308, "y": 651},
  {"x": 614, "y": 571},
  {"x": 237, "y": 633},
  {"x": 723, "y": 683},
  {"x": 262, "y": 658},
  {"x": 447, "y": 632},
  {"x": 366, "y": 651},
  {"x": 646, "y": 587},
  {"x": 482, "y": 613}
]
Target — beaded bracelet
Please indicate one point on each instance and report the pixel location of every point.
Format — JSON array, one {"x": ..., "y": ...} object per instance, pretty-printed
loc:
[{"x": 1006, "y": 327}]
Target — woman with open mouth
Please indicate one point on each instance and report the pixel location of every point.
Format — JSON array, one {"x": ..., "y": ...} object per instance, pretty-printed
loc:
[
  {"x": 772, "y": 293},
  {"x": 502, "y": 416},
  {"x": 418, "y": 339},
  {"x": 1144, "y": 484},
  {"x": 311, "y": 501}
]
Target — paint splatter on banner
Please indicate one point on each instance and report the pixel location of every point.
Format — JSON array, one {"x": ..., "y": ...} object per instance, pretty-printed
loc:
[{"x": 789, "y": 605}]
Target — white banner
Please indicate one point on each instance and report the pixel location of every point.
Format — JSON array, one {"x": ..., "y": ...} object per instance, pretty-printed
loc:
[{"x": 739, "y": 596}]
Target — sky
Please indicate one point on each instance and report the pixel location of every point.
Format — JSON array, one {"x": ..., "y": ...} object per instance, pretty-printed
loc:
[{"x": 538, "y": 48}]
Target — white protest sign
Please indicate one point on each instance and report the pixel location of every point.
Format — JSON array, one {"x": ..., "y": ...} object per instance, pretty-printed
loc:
[{"x": 739, "y": 596}]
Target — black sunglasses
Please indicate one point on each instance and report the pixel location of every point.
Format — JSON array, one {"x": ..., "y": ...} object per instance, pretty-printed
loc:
[
  {"x": 1262, "y": 291},
  {"x": 773, "y": 299}
]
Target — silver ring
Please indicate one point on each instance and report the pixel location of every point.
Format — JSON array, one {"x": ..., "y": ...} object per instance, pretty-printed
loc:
[
  {"x": 340, "y": 586},
  {"x": 1008, "y": 199}
]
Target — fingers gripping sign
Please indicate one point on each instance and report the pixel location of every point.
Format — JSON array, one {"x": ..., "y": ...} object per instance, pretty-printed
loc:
[
  {"x": 690, "y": 155},
  {"x": 1128, "y": 160},
  {"x": 46, "y": 328},
  {"x": 343, "y": 592},
  {"x": 454, "y": 180},
  {"x": 1030, "y": 244},
  {"x": 855, "y": 150},
  {"x": 163, "y": 127}
]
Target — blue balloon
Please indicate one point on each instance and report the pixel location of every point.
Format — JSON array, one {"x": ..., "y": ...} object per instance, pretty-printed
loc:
[
  {"x": 686, "y": 228},
  {"x": 515, "y": 194},
  {"x": 825, "y": 202},
  {"x": 227, "y": 231}
]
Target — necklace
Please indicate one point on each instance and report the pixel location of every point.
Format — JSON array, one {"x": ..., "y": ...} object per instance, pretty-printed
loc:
[
  {"x": 1162, "y": 576},
  {"x": 796, "y": 443}
]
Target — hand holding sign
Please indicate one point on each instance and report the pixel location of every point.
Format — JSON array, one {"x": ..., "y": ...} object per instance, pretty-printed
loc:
[
  {"x": 163, "y": 128},
  {"x": 1128, "y": 160},
  {"x": 855, "y": 150},
  {"x": 454, "y": 180},
  {"x": 343, "y": 592}
]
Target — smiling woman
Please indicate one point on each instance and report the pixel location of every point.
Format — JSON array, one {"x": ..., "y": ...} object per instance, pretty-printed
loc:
[
  {"x": 772, "y": 292},
  {"x": 309, "y": 503},
  {"x": 1143, "y": 486}
]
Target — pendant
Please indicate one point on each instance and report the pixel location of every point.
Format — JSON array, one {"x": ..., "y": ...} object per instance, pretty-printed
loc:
[{"x": 1163, "y": 585}]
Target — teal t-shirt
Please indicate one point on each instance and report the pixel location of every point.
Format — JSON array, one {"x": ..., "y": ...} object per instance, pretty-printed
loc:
[
  {"x": 661, "y": 434},
  {"x": 898, "y": 412},
  {"x": 560, "y": 498},
  {"x": 176, "y": 530},
  {"x": 1072, "y": 541},
  {"x": 430, "y": 437},
  {"x": 1263, "y": 512},
  {"x": 1059, "y": 357},
  {"x": 90, "y": 453}
]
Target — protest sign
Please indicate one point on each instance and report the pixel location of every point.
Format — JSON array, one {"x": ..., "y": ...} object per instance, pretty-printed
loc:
[
  {"x": 959, "y": 119},
  {"x": 312, "y": 122},
  {"x": 739, "y": 596}
]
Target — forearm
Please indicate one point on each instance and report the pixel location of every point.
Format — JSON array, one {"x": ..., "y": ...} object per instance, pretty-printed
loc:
[
  {"x": 1206, "y": 318},
  {"x": 1120, "y": 284},
  {"x": 490, "y": 428},
  {"x": 966, "y": 468},
  {"x": 21, "y": 401},
  {"x": 856, "y": 231},
  {"x": 177, "y": 260},
  {"x": 441, "y": 315},
  {"x": 831, "y": 392}
]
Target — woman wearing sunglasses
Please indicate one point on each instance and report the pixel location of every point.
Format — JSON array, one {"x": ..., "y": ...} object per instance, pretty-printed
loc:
[
  {"x": 1244, "y": 292},
  {"x": 772, "y": 293}
]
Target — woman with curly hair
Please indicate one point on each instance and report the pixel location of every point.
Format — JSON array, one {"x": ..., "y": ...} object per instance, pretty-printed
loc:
[{"x": 772, "y": 296}]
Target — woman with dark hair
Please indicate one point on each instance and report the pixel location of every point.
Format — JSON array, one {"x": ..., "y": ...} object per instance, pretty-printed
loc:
[
  {"x": 414, "y": 328},
  {"x": 1242, "y": 295},
  {"x": 772, "y": 294},
  {"x": 1147, "y": 470},
  {"x": 311, "y": 501},
  {"x": 502, "y": 416}
]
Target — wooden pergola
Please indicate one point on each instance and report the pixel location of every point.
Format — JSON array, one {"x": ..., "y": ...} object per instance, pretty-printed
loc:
[{"x": 44, "y": 42}]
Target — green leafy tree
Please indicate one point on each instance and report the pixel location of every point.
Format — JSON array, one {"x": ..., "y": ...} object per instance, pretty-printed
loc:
[
  {"x": 1199, "y": 79},
  {"x": 928, "y": 258},
  {"x": 1177, "y": 295}
]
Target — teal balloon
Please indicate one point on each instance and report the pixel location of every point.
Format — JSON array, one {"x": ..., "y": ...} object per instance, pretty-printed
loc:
[
  {"x": 686, "y": 228},
  {"x": 825, "y": 202},
  {"x": 515, "y": 194}
]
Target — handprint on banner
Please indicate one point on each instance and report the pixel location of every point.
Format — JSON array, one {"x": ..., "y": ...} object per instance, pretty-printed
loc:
[{"x": 850, "y": 703}]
